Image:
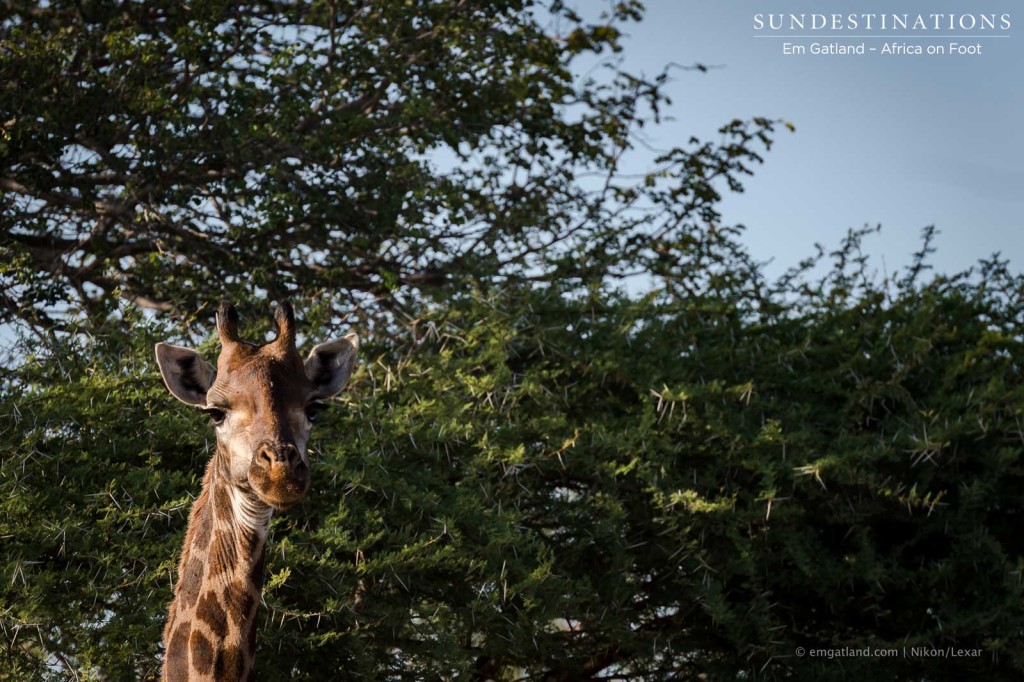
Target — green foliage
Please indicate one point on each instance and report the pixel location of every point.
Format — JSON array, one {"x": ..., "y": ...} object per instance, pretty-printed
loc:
[
  {"x": 96, "y": 478},
  {"x": 544, "y": 485}
]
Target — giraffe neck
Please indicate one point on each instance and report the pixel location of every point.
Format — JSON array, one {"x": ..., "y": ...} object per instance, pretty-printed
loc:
[{"x": 211, "y": 628}]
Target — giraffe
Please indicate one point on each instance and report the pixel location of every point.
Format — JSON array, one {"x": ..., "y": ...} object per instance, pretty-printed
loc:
[{"x": 262, "y": 400}]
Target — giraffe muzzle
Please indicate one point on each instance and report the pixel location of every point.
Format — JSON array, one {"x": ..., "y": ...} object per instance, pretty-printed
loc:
[{"x": 279, "y": 474}]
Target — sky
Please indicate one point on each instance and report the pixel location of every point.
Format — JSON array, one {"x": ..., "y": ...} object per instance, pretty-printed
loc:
[{"x": 903, "y": 141}]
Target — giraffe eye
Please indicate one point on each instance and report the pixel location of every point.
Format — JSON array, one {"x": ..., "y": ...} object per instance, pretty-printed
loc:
[
  {"x": 313, "y": 409},
  {"x": 216, "y": 415}
]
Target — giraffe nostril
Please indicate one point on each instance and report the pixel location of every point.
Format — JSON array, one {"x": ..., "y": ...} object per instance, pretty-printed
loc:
[
  {"x": 287, "y": 455},
  {"x": 265, "y": 456}
]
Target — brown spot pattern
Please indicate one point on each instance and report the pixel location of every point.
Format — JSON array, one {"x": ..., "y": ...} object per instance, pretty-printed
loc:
[
  {"x": 240, "y": 602},
  {"x": 200, "y": 526},
  {"x": 212, "y": 613},
  {"x": 256, "y": 574},
  {"x": 254, "y": 544},
  {"x": 176, "y": 656},
  {"x": 230, "y": 664},
  {"x": 190, "y": 582},
  {"x": 222, "y": 503},
  {"x": 223, "y": 554},
  {"x": 202, "y": 653},
  {"x": 251, "y": 644}
]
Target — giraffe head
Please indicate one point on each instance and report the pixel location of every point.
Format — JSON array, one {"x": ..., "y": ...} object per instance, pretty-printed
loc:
[{"x": 262, "y": 399}]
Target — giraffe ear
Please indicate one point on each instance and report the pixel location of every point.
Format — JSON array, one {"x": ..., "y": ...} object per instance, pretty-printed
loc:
[
  {"x": 330, "y": 364},
  {"x": 187, "y": 375}
]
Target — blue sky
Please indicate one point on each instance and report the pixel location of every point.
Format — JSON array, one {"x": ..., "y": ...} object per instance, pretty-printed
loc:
[{"x": 904, "y": 141}]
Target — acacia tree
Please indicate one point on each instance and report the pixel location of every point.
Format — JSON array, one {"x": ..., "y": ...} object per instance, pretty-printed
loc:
[
  {"x": 168, "y": 153},
  {"x": 533, "y": 476},
  {"x": 540, "y": 485}
]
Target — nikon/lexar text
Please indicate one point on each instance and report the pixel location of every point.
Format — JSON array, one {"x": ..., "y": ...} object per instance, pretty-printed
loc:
[{"x": 941, "y": 652}]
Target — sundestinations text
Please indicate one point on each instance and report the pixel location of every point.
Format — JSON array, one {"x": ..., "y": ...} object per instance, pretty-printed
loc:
[{"x": 882, "y": 22}]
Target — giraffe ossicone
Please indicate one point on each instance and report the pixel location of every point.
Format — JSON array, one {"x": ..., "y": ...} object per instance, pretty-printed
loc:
[{"x": 262, "y": 399}]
